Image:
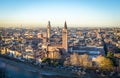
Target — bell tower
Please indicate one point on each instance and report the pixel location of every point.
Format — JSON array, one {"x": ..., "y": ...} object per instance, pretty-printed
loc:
[
  {"x": 48, "y": 31},
  {"x": 65, "y": 38}
]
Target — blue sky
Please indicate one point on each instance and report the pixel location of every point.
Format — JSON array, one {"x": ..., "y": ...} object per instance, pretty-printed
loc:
[{"x": 75, "y": 12}]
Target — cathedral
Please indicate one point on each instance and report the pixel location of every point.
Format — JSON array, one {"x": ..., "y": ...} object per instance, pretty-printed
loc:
[{"x": 55, "y": 51}]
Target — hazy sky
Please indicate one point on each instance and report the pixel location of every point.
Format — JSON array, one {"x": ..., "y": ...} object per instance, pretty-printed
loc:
[{"x": 75, "y": 12}]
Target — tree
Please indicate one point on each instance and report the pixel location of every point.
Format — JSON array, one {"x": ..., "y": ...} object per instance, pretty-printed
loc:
[
  {"x": 74, "y": 59},
  {"x": 85, "y": 60},
  {"x": 57, "y": 55},
  {"x": 104, "y": 63},
  {"x": 67, "y": 61},
  {"x": 77, "y": 60},
  {"x": 46, "y": 60},
  {"x": 110, "y": 55},
  {"x": 80, "y": 61}
]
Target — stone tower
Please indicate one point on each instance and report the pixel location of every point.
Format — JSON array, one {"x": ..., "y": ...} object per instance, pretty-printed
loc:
[
  {"x": 65, "y": 38},
  {"x": 48, "y": 31}
]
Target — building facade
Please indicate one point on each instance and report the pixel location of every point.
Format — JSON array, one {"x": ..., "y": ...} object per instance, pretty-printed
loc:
[{"x": 52, "y": 49}]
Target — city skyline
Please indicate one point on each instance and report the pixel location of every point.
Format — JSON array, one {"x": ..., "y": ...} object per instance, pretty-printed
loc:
[{"x": 75, "y": 12}]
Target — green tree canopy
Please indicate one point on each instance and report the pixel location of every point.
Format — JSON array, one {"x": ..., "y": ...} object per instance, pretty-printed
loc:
[{"x": 110, "y": 55}]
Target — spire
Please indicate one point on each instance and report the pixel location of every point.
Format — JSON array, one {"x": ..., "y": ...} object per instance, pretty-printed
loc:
[
  {"x": 48, "y": 23},
  {"x": 65, "y": 25}
]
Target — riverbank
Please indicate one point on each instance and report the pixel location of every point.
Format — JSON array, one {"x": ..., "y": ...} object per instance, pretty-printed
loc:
[
  {"x": 54, "y": 72},
  {"x": 35, "y": 69}
]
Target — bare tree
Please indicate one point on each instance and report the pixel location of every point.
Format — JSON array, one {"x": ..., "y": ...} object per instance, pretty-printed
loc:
[
  {"x": 57, "y": 55},
  {"x": 67, "y": 61},
  {"x": 74, "y": 59},
  {"x": 86, "y": 61},
  {"x": 78, "y": 60}
]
